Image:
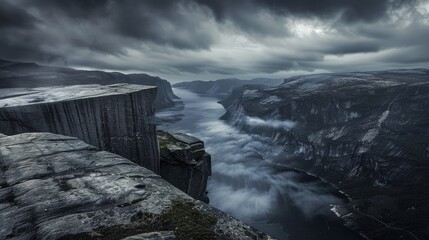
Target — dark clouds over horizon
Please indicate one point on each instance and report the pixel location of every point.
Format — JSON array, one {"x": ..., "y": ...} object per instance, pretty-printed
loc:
[{"x": 206, "y": 39}]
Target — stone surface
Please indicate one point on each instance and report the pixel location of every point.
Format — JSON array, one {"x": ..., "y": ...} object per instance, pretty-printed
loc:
[
  {"x": 366, "y": 133},
  {"x": 166, "y": 235},
  {"x": 31, "y": 75},
  {"x": 55, "y": 186},
  {"x": 114, "y": 118},
  {"x": 184, "y": 163}
]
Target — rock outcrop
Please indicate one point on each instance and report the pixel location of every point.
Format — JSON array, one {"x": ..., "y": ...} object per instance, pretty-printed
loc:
[
  {"x": 58, "y": 187},
  {"x": 185, "y": 163},
  {"x": 114, "y": 118},
  {"x": 366, "y": 133},
  {"x": 164, "y": 96},
  {"x": 31, "y": 75}
]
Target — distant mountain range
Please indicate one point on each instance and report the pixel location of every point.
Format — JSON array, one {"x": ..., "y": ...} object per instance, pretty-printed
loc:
[
  {"x": 223, "y": 87},
  {"x": 22, "y": 75}
]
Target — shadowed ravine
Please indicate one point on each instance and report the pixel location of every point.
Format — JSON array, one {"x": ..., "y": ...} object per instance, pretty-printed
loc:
[{"x": 281, "y": 202}]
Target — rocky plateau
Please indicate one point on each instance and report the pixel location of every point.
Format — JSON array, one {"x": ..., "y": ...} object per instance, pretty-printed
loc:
[{"x": 58, "y": 187}]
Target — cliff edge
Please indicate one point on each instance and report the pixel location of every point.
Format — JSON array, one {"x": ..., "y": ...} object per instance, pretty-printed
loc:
[
  {"x": 58, "y": 187},
  {"x": 31, "y": 75},
  {"x": 114, "y": 118}
]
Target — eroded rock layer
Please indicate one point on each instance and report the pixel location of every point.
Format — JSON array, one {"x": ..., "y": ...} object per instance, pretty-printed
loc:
[
  {"x": 58, "y": 187},
  {"x": 115, "y": 118}
]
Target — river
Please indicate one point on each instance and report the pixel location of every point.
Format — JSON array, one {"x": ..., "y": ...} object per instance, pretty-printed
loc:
[{"x": 284, "y": 203}]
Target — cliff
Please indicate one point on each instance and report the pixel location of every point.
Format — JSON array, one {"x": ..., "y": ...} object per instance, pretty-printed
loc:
[
  {"x": 185, "y": 163},
  {"x": 58, "y": 187},
  {"x": 114, "y": 118},
  {"x": 31, "y": 75},
  {"x": 164, "y": 97},
  {"x": 223, "y": 87},
  {"x": 366, "y": 133}
]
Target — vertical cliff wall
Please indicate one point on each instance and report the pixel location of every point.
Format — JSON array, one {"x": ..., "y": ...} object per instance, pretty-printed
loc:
[
  {"x": 367, "y": 133},
  {"x": 185, "y": 163},
  {"x": 115, "y": 118}
]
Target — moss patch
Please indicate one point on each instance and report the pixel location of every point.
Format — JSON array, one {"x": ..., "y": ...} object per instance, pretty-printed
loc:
[
  {"x": 182, "y": 217},
  {"x": 189, "y": 222},
  {"x": 166, "y": 139}
]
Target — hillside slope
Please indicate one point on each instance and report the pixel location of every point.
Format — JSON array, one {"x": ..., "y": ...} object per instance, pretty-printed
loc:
[{"x": 366, "y": 133}]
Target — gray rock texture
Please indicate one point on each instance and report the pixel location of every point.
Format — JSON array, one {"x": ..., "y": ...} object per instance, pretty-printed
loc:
[
  {"x": 114, "y": 118},
  {"x": 185, "y": 163},
  {"x": 367, "y": 133},
  {"x": 31, "y": 75},
  {"x": 54, "y": 186},
  {"x": 166, "y": 235}
]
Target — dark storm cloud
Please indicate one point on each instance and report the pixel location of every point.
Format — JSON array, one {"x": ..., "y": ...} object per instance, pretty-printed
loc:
[
  {"x": 14, "y": 17},
  {"x": 215, "y": 37},
  {"x": 74, "y": 9},
  {"x": 349, "y": 10}
]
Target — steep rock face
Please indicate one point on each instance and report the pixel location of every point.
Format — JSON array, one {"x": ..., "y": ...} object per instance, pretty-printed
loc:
[
  {"x": 164, "y": 97},
  {"x": 367, "y": 133},
  {"x": 185, "y": 163},
  {"x": 58, "y": 187},
  {"x": 223, "y": 87},
  {"x": 30, "y": 75},
  {"x": 114, "y": 118}
]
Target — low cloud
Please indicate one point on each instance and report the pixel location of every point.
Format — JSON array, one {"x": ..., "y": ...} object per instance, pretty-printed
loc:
[
  {"x": 269, "y": 123},
  {"x": 243, "y": 182}
]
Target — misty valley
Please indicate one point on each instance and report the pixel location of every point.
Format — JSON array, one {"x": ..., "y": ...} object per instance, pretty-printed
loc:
[
  {"x": 285, "y": 203},
  {"x": 214, "y": 120},
  {"x": 324, "y": 156}
]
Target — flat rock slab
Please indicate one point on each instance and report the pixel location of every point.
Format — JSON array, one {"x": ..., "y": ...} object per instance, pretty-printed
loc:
[
  {"x": 165, "y": 235},
  {"x": 53, "y": 186},
  {"x": 25, "y": 96},
  {"x": 114, "y": 118},
  {"x": 186, "y": 138}
]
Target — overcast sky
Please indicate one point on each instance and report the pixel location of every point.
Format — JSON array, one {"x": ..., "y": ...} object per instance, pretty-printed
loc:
[{"x": 211, "y": 39}]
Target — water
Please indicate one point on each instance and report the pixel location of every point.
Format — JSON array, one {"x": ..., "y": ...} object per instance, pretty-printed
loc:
[{"x": 284, "y": 203}]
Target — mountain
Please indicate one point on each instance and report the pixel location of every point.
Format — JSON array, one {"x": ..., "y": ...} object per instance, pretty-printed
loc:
[
  {"x": 24, "y": 75},
  {"x": 223, "y": 87},
  {"x": 367, "y": 133}
]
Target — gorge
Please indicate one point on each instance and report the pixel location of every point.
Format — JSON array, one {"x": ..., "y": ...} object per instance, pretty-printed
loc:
[
  {"x": 214, "y": 119},
  {"x": 366, "y": 133},
  {"x": 319, "y": 152},
  {"x": 284, "y": 203}
]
